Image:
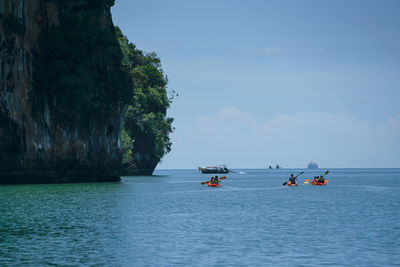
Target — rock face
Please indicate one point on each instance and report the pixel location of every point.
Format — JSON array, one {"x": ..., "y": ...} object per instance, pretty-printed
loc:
[
  {"x": 63, "y": 92},
  {"x": 145, "y": 162}
]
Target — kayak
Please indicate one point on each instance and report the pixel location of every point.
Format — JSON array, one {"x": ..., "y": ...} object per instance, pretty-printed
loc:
[
  {"x": 318, "y": 183},
  {"x": 214, "y": 185},
  {"x": 289, "y": 184}
]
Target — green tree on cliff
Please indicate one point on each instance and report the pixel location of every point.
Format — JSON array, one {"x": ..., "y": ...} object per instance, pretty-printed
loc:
[{"x": 145, "y": 136}]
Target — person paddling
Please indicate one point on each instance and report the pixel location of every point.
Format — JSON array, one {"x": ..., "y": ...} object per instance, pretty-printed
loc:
[
  {"x": 292, "y": 179},
  {"x": 212, "y": 180},
  {"x": 216, "y": 180},
  {"x": 321, "y": 179}
]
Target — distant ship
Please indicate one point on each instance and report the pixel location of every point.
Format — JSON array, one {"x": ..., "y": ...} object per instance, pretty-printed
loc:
[
  {"x": 215, "y": 169},
  {"x": 312, "y": 165}
]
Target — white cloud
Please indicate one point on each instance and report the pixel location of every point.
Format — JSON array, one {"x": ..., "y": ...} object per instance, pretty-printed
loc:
[{"x": 234, "y": 137}]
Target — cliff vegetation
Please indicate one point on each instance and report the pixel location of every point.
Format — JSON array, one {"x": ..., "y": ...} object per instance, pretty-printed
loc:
[{"x": 146, "y": 128}]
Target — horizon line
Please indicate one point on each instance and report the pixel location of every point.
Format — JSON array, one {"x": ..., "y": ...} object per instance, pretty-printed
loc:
[{"x": 291, "y": 168}]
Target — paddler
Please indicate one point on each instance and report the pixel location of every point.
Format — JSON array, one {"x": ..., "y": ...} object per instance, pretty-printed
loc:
[
  {"x": 216, "y": 180},
  {"x": 212, "y": 180},
  {"x": 321, "y": 179},
  {"x": 292, "y": 179}
]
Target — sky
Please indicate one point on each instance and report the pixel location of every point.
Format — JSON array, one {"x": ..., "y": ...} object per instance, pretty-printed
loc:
[{"x": 275, "y": 82}]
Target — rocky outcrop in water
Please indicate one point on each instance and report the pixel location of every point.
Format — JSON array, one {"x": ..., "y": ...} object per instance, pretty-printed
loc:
[
  {"x": 147, "y": 127},
  {"x": 63, "y": 92}
]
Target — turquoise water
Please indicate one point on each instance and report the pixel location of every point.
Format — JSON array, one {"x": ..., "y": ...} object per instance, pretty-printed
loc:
[{"x": 171, "y": 219}]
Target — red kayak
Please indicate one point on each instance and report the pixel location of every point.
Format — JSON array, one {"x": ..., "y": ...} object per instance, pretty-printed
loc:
[
  {"x": 289, "y": 184},
  {"x": 214, "y": 185},
  {"x": 318, "y": 183}
]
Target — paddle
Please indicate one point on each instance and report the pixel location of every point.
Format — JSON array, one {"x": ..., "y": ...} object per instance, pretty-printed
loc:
[
  {"x": 221, "y": 178},
  {"x": 294, "y": 177}
]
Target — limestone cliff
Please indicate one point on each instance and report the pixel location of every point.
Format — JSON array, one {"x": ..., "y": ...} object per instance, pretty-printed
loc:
[{"x": 63, "y": 91}]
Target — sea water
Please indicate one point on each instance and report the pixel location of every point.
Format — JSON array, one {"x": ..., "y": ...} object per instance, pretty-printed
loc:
[{"x": 171, "y": 219}]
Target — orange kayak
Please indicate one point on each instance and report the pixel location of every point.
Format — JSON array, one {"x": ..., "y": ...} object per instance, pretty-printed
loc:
[{"x": 289, "y": 184}]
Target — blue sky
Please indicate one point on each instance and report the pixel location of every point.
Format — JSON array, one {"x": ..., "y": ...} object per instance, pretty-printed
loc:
[{"x": 267, "y": 82}]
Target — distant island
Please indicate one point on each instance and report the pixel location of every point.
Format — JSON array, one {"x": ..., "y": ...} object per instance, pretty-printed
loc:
[
  {"x": 277, "y": 167},
  {"x": 312, "y": 165}
]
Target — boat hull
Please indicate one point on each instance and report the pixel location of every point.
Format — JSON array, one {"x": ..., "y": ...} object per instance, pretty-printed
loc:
[
  {"x": 317, "y": 183},
  {"x": 214, "y": 185},
  {"x": 210, "y": 170}
]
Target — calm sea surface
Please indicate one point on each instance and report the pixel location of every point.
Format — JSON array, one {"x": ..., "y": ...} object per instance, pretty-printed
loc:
[{"x": 171, "y": 219}]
